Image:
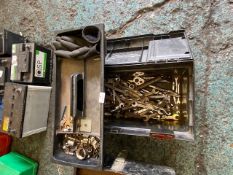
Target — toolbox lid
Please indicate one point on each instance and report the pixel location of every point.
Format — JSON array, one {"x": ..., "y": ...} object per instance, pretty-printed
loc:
[
  {"x": 171, "y": 47},
  {"x": 16, "y": 164}
]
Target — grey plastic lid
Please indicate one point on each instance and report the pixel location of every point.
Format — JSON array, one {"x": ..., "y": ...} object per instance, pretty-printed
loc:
[{"x": 155, "y": 50}]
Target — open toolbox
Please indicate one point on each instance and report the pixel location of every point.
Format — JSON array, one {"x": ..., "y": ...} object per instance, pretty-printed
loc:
[
  {"x": 149, "y": 86},
  {"x": 79, "y": 82},
  {"x": 142, "y": 86}
]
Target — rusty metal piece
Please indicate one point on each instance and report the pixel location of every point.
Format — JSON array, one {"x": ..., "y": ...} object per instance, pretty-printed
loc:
[
  {"x": 147, "y": 100},
  {"x": 137, "y": 80},
  {"x": 70, "y": 142},
  {"x": 169, "y": 92},
  {"x": 137, "y": 74},
  {"x": 133, "y": 93},
  {"x": 81, "y": 153},
  {"x": 171, "y": 117},
  {"x": 142, "y": 111},
  {"x": 121, "y": 105},
  {"x": 81, "y": 146},
  {"x": 131, "y": 86},
  {"x": 156, "y": 96},
  {"x": 115, "y": 88},
  {"x": 66, "y": 123},
  {"x": 148, "y": 83}
]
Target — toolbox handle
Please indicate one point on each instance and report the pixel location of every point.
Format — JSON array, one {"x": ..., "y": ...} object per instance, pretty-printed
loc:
[{"x": 77, "y": 95}]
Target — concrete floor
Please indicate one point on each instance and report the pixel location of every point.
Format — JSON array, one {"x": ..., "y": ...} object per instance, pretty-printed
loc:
[{"x": 208, "y": 24}]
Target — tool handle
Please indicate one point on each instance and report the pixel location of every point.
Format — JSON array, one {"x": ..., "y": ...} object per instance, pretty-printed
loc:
[{"x": 77, "y": 95}]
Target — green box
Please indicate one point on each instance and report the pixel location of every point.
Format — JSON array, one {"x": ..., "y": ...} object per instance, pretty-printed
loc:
[{"x": 17, "y": 164}]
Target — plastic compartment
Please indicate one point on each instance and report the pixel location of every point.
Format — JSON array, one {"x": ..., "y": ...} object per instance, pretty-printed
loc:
[
  {"x": 92, "y": 71},
  {"x": 155, "y": 55},
  {"x": 17, "y": 164},
  {"x": 5, "y": 142}
]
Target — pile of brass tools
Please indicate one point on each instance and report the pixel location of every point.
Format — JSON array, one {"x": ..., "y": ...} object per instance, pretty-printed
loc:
[
  {"x": 144, "y": 96},
  {"x": 80, "y": 146}
]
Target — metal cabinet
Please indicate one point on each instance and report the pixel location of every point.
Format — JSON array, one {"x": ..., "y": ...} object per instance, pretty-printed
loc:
[{"x": 26, "y": 109}]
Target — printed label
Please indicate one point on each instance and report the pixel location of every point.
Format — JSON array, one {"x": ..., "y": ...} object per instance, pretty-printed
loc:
[
  {"x": 5, "y": 125},
  {"x": 40, "y": 64},
  {"x": 101, "y": 97}
]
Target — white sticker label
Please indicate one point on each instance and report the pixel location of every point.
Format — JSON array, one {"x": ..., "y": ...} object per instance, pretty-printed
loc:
[
  {"x": 40, "y": 65},
  {"x": 14, "y": 64},
  {"x": 118, "y": 164},
  {"x": 14, "y": 60},
  {"x": 13, "y": 48},
  {"x": 1, "y": 73},
  {"x": 102, "y": 97}
]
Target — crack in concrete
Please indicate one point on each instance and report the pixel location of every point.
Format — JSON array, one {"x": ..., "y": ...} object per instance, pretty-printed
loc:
[
  {"x": 208, "y": 22},
  {"x": 204, "y": 129},
  {"x": 138, "y": 14}
]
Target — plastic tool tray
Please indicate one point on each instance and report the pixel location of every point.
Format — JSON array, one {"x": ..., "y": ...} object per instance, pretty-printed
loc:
[
  {"x": 149, "y": 86},
  {"x": 78, "y": 81}
]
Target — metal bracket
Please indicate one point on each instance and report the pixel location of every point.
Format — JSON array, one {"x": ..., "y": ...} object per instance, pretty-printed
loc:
[{"x": 24, "y": 61}]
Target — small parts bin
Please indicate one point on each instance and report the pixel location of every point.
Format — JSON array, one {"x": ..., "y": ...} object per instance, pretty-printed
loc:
[
  {"x": 16, "y": 164},
  {"x": 5, "y": 141}
]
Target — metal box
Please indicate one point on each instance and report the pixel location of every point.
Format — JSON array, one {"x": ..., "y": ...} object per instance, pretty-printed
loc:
[
  {"x": 8, "y": 38},
  {"x": 31, "y": 63},
  {"x": 149, "y": 86},
  {"x": 79, "y": 85},
  {"x": 26, "y": 109}
]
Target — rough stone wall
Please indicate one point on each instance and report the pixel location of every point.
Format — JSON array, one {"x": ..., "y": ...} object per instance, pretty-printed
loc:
[{"x": 209, "y": 26}]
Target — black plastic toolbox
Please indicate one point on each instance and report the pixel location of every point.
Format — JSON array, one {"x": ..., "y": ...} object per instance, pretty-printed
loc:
[
  {"x": 78, "y": 82},
  {"x": 163, "y": 55},
  {"x": 160, "y": 61}
]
